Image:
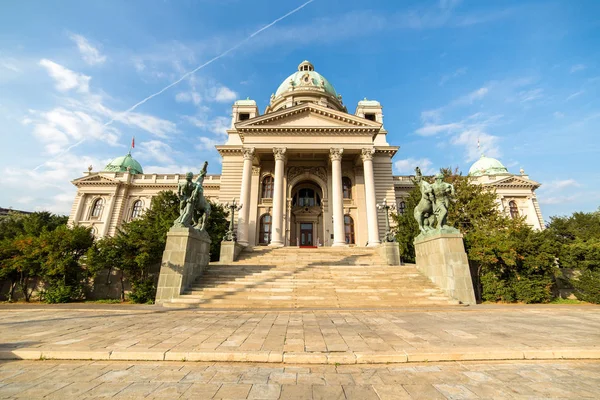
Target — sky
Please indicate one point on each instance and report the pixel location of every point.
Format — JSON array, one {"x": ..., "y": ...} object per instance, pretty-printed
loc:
[{"x": 79, "y": 79}]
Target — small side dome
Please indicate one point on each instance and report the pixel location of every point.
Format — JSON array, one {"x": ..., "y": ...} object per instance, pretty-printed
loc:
[
  {"x": 124, "y": 164},
  {"x": 487, "y": 166}
]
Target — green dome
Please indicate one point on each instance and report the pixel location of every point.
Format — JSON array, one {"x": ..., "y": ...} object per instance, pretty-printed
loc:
[
  {"x": 487, "y": 166},
  {"x": 122, "y": 164},
  {"x": 306, "y": 70}
]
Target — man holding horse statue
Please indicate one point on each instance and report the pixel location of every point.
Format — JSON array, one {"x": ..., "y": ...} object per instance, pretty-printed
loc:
[
  {"x": 194, "y": 209},
  {"x": 434, "y": 203}
]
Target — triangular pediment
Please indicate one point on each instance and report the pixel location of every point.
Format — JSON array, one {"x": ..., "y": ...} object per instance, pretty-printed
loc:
[
  {"x": 307, "y": 115},
  {"x": 515, "y": 181},
  {"x": 94, "y": 179}
]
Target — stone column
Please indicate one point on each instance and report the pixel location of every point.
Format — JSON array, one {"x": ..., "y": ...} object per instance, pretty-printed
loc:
[
  {"x": 244, "y": 214},
  {"x": 337, "y": 199},
  {"x": 371, "y": 202},
  {"x": 277, "y": 224}
]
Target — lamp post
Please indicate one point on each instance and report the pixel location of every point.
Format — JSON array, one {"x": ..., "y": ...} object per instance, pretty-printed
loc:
[
  {"x": 389, "y": 237},
  {"x": 230, "y": 236}
]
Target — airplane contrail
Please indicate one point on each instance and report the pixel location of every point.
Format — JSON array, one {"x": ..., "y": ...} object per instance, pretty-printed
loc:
[{"x": 136, "y": 105}]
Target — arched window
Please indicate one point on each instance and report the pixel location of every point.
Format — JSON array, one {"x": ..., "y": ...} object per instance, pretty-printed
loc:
[
  {"x": 347, "y": 187},
  {"x": 264, "y": 234},
  {"x": 402, "y": 207},
  {"x": 136, "y": 210},
  {"x": 349, "y": 229},
  {"x": 267, "y": 187},
  {"x": 514, "y": 210},
  {"x": 97, "y": 209}
]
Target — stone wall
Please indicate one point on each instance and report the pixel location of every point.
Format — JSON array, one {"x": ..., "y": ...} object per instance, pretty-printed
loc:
[{"x": 442, "y": 258}]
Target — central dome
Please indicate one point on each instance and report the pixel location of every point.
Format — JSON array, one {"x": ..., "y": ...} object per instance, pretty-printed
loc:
[
  {"x": 306, "y": 75},
  {"x": 487, "y": 166}
]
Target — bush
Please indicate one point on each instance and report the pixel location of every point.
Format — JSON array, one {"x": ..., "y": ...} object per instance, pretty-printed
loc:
[
  {"x": 495, "y": 289},
  {"x": 143, "y": 291},
  {"x": 587, "y": 286},
  {"x": 61, "y": 293},
  {"x": 533, "y": 289}
]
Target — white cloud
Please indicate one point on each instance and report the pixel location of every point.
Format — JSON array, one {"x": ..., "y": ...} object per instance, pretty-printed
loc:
[
  {"x": 186, "y": 97},
  {"x": 407, "y": 166},
  {"x": 224, "y": 95},
  {"x": 578, "y": 67},
  {"x": 433, "y": 129},
  {"x": 205, "y": 143},
  {"x": 217, "y": 125},
  {"x": 89, "y": 53},
  {"x": 157, "y": 150},
  {"x": 488, "y": 144},
  {"x": 65, "y": 78},
  {"x": 557, "y": 199},
  {"x": 161, "y": 128},
  {"x": 573, "y": 95},
  {"x": 561, "y": 184},
  {"x": 59, "y": 127},
  {"x": 9, "y": 64},
  {"x": 471, "y": 97},
  {"x": 49, "y": 189}
]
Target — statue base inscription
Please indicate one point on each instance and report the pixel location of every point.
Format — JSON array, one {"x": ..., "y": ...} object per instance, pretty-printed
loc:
[
  {"x": 442, "y": 258},
  {"x": 186, "y": 256}
]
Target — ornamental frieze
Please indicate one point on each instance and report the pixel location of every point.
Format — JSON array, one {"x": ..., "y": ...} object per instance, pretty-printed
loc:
[{"x": 316, "y": 171}]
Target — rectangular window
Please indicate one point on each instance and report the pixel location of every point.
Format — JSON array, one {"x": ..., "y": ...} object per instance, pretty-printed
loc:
[
  {"x": 244, "y": 116},
  {"x": 370, "y": 117}
]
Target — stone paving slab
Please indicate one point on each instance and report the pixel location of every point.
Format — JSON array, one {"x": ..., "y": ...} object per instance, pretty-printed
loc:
[
  {"x": 301, "y": 337},
  {"x": 453, "y": 380}
]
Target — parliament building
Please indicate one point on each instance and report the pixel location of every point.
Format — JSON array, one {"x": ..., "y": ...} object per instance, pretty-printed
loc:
[{"x": 306, "y": 171}]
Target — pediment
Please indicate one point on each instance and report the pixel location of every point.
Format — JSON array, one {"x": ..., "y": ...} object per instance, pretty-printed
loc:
[
  {"x": 307, "y": 115},
  {"x": 515, "y": 181},
  {"x": 94, "y": 179}
]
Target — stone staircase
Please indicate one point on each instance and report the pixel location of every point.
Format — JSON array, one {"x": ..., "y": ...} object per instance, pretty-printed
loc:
[{"x": 326, "y": 277}]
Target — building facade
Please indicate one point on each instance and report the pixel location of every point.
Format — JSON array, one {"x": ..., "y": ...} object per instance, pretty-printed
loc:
[{"x": 306, "y": 171}]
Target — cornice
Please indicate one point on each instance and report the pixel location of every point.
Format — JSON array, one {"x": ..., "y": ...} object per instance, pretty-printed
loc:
[{"x": 307, "y": 108}]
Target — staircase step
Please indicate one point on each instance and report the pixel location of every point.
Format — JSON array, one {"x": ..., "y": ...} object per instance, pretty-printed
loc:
[{"x": 292, "y": 278}]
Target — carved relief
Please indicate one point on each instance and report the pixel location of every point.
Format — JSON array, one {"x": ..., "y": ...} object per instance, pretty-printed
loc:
[
  {"x": 248, "y": 153},
  {"x": 316, "y": 171},
  {"x": 279, "y": 153},
  {"x": 367, "y": 153},
  {"x": 255, "y": 171},
  {"x": 336, "y": 154}
]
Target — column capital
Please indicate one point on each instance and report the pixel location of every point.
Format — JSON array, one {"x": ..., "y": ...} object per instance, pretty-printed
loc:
[
  {"x": 367, "y": 153},
  {"x": 335, "y": 154},
  {"x": 255, "y": 171},
  {"x": 279, "y": 153},
  {"x": 248, "y": 153}
]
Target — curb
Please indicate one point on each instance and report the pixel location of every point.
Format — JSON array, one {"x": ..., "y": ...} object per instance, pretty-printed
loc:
[{"x": 337, "y": 358}]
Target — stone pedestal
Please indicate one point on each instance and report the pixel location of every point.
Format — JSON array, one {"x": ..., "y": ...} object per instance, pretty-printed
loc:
[
  {"x": 390, "y": 252},
  {"x": 230, "y": 251},
  {"x": 442, "y": 258},
  {"x": 186, "y": 256}
]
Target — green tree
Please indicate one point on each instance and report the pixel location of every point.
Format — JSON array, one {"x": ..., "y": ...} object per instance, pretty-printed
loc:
[
  {"x": 576, "y": 240},
  {"x": 217, "y": 226},
  {"x": 61, "y": 251}
]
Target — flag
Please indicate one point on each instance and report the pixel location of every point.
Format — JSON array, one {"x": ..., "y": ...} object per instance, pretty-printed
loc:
[{"x": 133, "y": 142}]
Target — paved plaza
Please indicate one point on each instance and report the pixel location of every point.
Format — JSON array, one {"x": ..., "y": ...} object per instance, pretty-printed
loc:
[
  {"x": 450, "y": 380},
  {"x": 154, "y": 333}
]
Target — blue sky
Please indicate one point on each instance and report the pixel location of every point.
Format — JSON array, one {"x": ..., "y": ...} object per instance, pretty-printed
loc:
[{"x": 523, "y": 77}]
